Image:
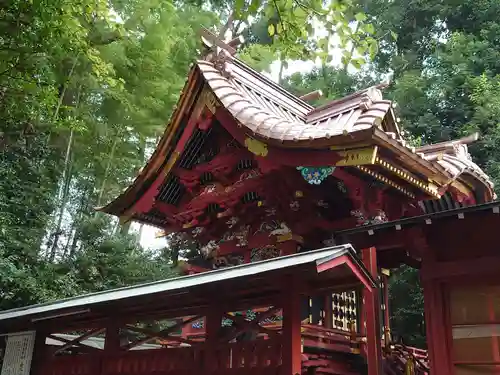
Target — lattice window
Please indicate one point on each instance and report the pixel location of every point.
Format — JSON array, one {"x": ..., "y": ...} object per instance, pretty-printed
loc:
[
  {"x": 344, "y": 310},
  {"x": 18, "y": 354}
]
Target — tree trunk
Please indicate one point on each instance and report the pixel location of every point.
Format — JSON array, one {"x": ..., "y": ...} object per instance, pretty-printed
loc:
[
  {"x": 106, "y": 172},
  {"x": 63, "y": 196}
]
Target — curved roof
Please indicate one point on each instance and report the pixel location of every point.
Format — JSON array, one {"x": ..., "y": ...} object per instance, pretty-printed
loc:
[
  {"x": 277, "y": 117},
  {"x": 268, "y": 118},
  {"x": 454, "y": 157}
]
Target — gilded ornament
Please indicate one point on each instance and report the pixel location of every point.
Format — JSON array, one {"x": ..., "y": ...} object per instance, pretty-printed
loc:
[
  {"x": 256, "y": 147},
  {"x": 361, "y": 156}
]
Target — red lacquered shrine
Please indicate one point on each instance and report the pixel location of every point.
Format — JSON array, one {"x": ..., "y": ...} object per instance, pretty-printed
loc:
[{"x": 273, "y": 190}]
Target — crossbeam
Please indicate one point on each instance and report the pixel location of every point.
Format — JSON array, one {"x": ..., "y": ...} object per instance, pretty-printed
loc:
[
  {"x": 163, "y": 334},
  {"x": 76, "y": 341}
]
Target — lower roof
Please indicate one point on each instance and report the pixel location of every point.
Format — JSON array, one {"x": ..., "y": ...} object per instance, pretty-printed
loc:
[{"x": 248, "y": 280}]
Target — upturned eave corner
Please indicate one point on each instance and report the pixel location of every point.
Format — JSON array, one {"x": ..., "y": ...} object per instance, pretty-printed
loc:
[{"x": 147, "y": 175}]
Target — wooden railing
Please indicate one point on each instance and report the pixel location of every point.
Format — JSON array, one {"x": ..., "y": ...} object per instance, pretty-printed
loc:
[
  {"x": 262, "y": 356},
  {"x": 331, "y": 339}
]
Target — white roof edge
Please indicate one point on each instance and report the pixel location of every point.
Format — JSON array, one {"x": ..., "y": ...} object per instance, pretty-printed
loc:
[{"x": 180, "y": 282}]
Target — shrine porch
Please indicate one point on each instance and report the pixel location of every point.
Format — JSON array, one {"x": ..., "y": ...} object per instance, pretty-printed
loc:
[{"x": 128, "y": 319}]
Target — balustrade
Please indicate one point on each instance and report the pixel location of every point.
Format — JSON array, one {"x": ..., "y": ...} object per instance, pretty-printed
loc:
[{"x": 264, "y": 356}]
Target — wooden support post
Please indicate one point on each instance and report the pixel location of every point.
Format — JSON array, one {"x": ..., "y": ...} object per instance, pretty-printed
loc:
[
  {"x": 40, "y": 354},
  {"x": 328, "y": 318},
  {"x": 112, "y": 339},
  {"x": 437, "y": 324},
  {"x": 292, "y": 339},
  {"x": 387, "y": 316},
  {"x": 372, "y": 315},
  {"x": 213, "y": 324}
]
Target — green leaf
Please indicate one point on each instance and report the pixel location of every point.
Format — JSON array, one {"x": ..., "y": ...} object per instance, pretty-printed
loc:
[
  {"x": 369, "y": 28},
  {"x": 394, "y": 35},
  {"x": 357, "y": 63},
  {"x": 360, "y": 17},
  {"x": 270, "y": 29},
  {"x": 373, "y": 48}
]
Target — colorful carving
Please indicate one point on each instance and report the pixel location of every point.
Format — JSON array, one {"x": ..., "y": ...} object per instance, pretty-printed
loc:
[
  {"x": 282, "y": 230},
  {"x": 263, "y": 253},
  {"x": 209, "y": 248},
  {"x": 241, "y": 235},
  {"x": 315, "y": 175},
  {"x": 256, "y": 147},
  {"x": 197, "y": 231},
  {"x": 230, "y": 260}
]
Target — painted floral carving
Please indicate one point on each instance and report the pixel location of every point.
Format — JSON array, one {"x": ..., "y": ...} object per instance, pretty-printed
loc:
[
  {"x": 249, "y": 174},
  {"x": 263, "y": 253},
  {"x": 197, "y": 231},
  {"x": 270, "y": 211},
  {"x": 282, "y": 230},
  {"x": 240, "y": 235},
  {"x": 315, "y": 175},
  {"x": 228, "y": 261},
  {"x": 209, "y": 248},
  {"x": 232, "y": 221}
]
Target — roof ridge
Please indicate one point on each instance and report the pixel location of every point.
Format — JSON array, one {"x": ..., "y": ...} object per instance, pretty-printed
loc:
[{"x": 266, "y": 80}]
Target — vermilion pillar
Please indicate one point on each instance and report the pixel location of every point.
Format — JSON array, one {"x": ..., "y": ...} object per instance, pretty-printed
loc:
[
  {"x": 213, "y": 323},
  {"x": 112, "y": 338},
  {"x": 372, "y": 316},
  {"x": 437, "y": 322},
  {"x": 292, "y": 340}
]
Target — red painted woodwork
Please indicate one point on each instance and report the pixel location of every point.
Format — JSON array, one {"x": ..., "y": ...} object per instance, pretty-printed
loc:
[
  {"x": 371, "y": 305},
  {"x": 292, "y": 340},
  {"x": 238, "y": 358}
]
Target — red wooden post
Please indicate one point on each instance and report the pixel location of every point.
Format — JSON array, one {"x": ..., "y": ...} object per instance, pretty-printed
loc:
[
  {"x": 292, "y": 340},
  {"x": 387, "y": 317},
  {"x": 437, "y": 324},
  {"x": 372, "y": 304},
  {"x": 494, "y": 337},
  {"x": 328, "y": 317},
  {"x": 112, "y": 339},
  {"x": 213, "y": 323},
  {"x": 40, "y": 354}
]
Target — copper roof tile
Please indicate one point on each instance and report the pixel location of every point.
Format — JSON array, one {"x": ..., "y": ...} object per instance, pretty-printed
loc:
[{"x": 275, "y": 116}]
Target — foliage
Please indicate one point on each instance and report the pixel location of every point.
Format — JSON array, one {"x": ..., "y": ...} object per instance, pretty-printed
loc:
[
  {"x": 407, "y": 307},
  {"x": 83, "y": 98}
]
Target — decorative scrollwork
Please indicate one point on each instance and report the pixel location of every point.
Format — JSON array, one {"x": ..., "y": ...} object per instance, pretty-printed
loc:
[{"x": 315, "y": 175}]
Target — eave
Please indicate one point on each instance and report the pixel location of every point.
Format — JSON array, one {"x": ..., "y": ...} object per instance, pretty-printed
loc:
[
  {"x": 162, "y": 153},
  {"x": 265, "y": 112}
]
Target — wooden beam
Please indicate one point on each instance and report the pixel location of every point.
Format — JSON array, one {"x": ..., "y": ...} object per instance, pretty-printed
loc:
[
  {"x": 154, "y": 335},
  {"x": 459, "y": 268},
  {"x": 211, "y": 40},
  {"x": 161, "y": 334},
  {"x": 70, "y": 343}
]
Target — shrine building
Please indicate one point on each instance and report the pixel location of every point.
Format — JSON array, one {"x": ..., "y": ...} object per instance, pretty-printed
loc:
[{"x": 299, "y": 213}]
